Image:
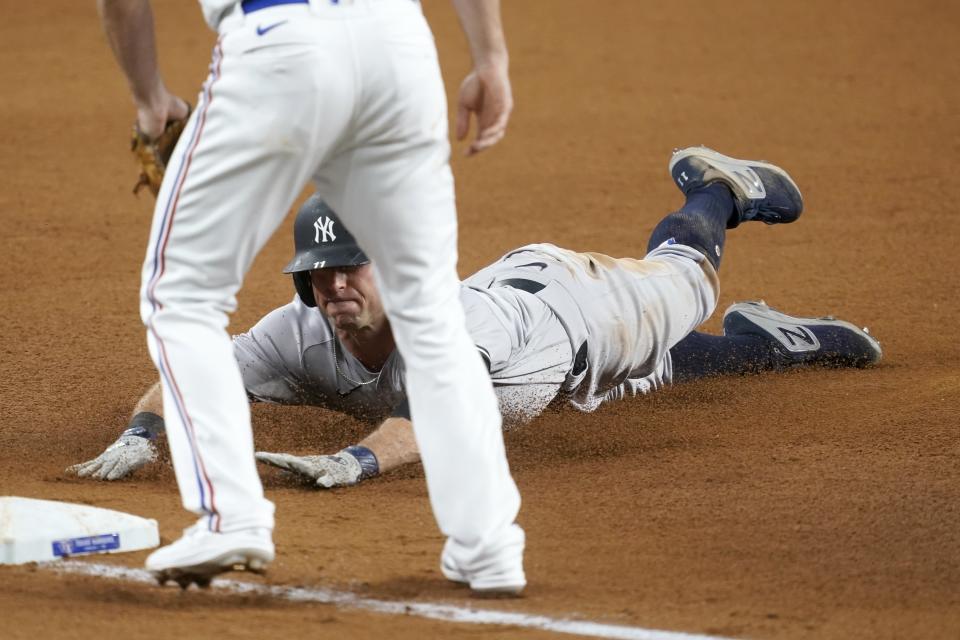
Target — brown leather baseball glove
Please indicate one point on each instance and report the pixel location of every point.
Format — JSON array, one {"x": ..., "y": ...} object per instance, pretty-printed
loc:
[{"x": 153, "y": 155}]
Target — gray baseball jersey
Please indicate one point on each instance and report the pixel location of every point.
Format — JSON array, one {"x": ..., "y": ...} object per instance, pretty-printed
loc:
[{"x": 548, "y": 321}]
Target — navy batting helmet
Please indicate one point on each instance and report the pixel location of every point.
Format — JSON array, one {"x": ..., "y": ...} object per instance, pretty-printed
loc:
[{"x": 320, "y": 241}]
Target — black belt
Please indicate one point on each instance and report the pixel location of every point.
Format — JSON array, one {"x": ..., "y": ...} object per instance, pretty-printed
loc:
[
  {"x": 249, "y": 6},
  {"x": 530, "y": 286}
]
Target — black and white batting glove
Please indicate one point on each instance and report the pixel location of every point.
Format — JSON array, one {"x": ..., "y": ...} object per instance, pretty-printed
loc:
[
  {"x": 343, "y": 469},
  {"x": 133, "y": 449}
]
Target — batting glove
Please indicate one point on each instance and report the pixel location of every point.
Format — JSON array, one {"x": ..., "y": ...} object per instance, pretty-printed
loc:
[
  {"x": 123, "y": 457},
  {"x": 133, "y": 449},
  {"x": 343, "y": 469}
]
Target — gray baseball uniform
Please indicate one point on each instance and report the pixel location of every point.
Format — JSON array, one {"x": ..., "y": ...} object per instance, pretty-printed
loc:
[{"x": 548, "y": 320}]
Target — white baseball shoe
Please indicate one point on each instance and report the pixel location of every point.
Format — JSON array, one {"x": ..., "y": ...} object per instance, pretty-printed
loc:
[
  {"x": 761, "y": 191},
  {"x": 497, "y": 570},
  {"x": 201, "y": 554}
]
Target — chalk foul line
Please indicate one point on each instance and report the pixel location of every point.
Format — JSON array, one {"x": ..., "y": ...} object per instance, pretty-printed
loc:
[{"x": 430, "y": 610}]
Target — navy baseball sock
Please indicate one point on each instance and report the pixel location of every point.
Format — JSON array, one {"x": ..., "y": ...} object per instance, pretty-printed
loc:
[
  {"x": 700, "y": 355},
  {"x": 701, "y": 223}
]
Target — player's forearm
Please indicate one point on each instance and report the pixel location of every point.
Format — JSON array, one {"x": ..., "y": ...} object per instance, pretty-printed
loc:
[
  {"x": 135, "y": 447},
  {"x": 147, "y": 418},
  {"x": 151, "y": 401},
  {"x": 129, "y": 28},
  {"x": 481, "y": 23},
  {"x": 389, "y": 447},
  {"x": 393, "y": 444}
]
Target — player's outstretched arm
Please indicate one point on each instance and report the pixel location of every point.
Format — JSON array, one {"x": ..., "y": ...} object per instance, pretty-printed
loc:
[
  {"x": 390, "y": 446},
  {"x": 486, "y": 92},
  {"x": 129, "y": 28},
  {"x": 135, "y": 447}
]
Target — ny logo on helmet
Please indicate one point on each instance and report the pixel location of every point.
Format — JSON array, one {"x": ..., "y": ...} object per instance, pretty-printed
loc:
[{"x": 323, "y": 225}]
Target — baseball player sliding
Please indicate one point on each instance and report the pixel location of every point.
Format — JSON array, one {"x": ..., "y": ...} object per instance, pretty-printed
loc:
[{"x": 548, "y": 322}]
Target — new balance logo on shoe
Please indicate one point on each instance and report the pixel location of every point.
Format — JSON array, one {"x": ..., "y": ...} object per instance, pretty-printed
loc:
[
  {"x": 823, "y": 340},
  {"x": 794, "y": 334}
]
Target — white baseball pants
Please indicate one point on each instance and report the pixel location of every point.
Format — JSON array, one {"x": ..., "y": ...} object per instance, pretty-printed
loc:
[{"x": 349, "y": 94}]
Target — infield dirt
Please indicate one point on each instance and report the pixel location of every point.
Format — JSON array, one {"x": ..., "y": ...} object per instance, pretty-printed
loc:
[{"x": 816, "y": 504}]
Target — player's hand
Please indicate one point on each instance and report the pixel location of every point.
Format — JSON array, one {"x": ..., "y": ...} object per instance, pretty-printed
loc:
[
  {"x": 339, "y": 470},
  {"x": 121, "y": 458},
  {"x": 152, "y": 119},
  {"x": 153, "y": 150},
  {"x": 487, "y": 95}
]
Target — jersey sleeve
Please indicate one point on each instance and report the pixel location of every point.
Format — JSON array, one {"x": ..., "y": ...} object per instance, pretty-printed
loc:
[{"x": 269, "y": 356}]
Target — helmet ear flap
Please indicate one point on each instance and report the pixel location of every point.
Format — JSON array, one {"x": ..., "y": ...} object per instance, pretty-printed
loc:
[{"x": 301, "y": 281}]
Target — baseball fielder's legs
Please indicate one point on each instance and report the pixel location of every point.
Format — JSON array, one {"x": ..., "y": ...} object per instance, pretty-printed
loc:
[
  {"x": 410, "y": 234},
  {"x": 396, "y": 194},
  {"x": 233, "y": 177}
]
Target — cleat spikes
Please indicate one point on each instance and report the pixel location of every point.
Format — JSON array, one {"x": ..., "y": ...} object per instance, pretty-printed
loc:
[
  {"x": 203, "y": 576},
  {"x": 185, "y": 578}
]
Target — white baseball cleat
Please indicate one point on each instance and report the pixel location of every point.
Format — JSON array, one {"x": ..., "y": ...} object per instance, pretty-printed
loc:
[
  {"x": 201, "y": 554},
  {"x": 497, "y": 570},
  {"x": 761, "y": 190}
]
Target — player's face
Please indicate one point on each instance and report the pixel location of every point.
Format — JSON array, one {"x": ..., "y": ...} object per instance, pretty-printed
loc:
[{"x": 349, "y": 297}]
